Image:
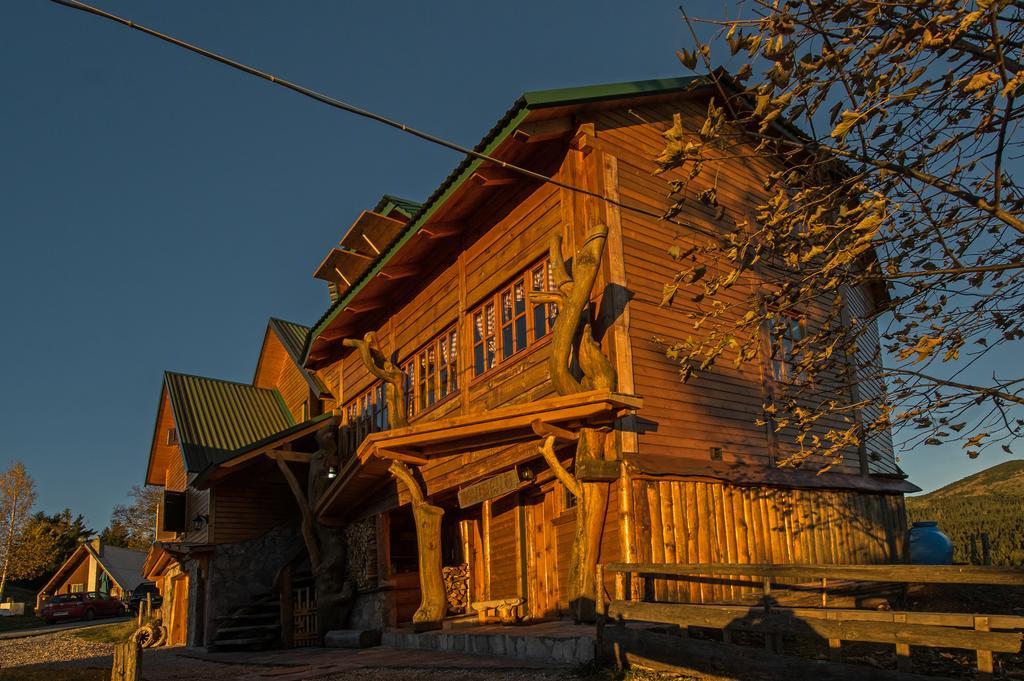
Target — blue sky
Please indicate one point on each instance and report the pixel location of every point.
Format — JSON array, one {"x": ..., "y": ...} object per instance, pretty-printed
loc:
[{"x": 156, "y": 207}]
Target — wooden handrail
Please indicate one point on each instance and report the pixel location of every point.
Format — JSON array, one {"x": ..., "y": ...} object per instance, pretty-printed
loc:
[{"x": 911, "y": 574}]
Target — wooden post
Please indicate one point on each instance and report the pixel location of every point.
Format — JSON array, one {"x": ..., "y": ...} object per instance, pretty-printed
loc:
[
  {"x": 984, "y": 656},
  {"x": 903, "y": 662},
  {"x": 620, "y": 586},
  {"x": 149, "y": 605},
  {"x": 286, "y": 599},
  {"x": 127, "y": 660},
  {"x": 599, "y": 603},
  {"x": 433, "y": 598},
  {"x": 485, "y": 522},
  {"x": 835, "y": 653}
]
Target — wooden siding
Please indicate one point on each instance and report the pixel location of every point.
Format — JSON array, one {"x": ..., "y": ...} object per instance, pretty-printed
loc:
[
  {"x": 250, "y": 504},
  {"x": 162, "y": 454},
  {"x": 277, "y": 370},
  {"x": 718, "y": 407},
  {"x": 685, "y": 521},
  {"x": 879, "y": 449}
]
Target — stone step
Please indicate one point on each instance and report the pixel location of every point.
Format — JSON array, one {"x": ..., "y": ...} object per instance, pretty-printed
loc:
[
  {"x": 568, "y": 650},
  {"x": 243, "y": 643},
  {"x": 253, "y": 608},
  {"x": 248, "y": 629},
  {"x": 265, "y": 617}
]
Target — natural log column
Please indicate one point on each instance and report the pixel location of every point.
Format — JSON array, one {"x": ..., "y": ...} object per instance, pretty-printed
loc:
[
  {"x": 433, "y": 599},
  {"x": 383, "y": 368},
  {"x": 577, "y": 364},
  {"x": 325, "y": 545}
]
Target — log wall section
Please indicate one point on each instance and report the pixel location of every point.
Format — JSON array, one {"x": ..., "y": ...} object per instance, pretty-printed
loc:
[{"x": 687, "y": 521}]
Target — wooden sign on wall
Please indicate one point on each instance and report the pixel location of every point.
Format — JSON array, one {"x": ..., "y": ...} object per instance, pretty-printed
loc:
[{"x": 496, "y": 486}]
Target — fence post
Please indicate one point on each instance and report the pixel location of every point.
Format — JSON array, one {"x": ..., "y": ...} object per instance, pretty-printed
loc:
[
  {"x": 984, "y": 656},
  {"x": 127, "y": 661},
  {"x": 903, "y": 662}
]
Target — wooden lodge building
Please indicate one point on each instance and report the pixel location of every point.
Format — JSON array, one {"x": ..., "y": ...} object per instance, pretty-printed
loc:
[{"x": 484, "y": 413}]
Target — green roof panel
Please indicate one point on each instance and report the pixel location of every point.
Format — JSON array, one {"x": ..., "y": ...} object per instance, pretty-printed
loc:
[{"x": 215, "y": 418}]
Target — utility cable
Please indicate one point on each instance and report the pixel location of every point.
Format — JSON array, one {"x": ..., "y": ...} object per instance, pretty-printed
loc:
[{"x": 344, "y": 106}]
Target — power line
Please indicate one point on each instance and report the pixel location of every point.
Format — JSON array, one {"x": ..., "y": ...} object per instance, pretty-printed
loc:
[{"x": 344, "y": 106}]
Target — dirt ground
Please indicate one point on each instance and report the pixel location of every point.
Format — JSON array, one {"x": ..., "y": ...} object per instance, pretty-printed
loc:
[{"x": 64, "y": 657}]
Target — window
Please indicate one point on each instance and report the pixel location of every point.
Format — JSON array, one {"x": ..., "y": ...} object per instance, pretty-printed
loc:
[
  {"x": 433, "y": 373},
  {"x": 371, "y": 405},
  {"x": 511, "y": 320},
  {"x": 172, "y": 436},
  {"x": 77, "y": 588},
  {"x": 785, "y": 334}
]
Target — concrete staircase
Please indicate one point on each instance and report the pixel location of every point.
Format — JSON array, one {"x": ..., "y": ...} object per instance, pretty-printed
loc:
[
  {"x": 253, "y": 626},
  {"x": 557, "y": 643}
]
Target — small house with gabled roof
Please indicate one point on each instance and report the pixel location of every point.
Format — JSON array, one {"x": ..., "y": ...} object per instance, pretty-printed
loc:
[{"x": 95, "y": 566}]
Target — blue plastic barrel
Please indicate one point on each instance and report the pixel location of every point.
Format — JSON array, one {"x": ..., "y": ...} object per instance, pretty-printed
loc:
[{"x": 928, "y": 546}]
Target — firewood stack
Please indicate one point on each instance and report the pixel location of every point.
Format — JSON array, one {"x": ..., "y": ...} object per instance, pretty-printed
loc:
[{"x": 456, "y": 586}]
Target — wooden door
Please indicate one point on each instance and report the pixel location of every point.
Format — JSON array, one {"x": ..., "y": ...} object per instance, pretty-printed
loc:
[
  {"x": 176, "y": 630},
  {"x": 542, "y": 564}
]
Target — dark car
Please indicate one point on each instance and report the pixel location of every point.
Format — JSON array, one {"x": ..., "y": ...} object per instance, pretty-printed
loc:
[
  {"x": 141, "y": 593},
  {"x": 81, "y": 606}
]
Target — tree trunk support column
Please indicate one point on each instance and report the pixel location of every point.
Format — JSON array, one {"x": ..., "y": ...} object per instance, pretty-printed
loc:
[
  {"x": 577, "y": 364},
  {"x": 433, "y": 600}
]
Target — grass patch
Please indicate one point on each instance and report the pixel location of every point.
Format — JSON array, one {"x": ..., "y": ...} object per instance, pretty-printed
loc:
[
  {"x": 108, "y": 633},
  {"x": 67, "y": 674},
  {"x": 16, "y": 622}
]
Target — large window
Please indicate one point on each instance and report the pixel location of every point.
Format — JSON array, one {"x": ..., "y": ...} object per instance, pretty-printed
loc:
[
  {"x": 511, "y": 320},
  {"x": 432, "y": 374}
]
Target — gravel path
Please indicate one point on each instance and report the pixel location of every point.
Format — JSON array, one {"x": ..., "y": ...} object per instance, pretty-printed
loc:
[{"x": 59, "y": 647}]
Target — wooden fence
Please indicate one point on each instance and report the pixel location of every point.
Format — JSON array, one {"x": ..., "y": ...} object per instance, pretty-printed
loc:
[{"x": 982, "y": 633}]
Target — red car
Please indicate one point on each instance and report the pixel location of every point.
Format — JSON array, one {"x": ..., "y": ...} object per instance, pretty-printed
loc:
[{"x": 82, "y": 606}]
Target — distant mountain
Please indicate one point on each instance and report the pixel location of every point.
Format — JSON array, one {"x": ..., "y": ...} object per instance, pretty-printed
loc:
[{"x": 991, "y": 501}]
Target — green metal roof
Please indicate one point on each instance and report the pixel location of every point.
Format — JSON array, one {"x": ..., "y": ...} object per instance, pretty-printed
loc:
[
  {"x": 390, "y": 203},
  {"x": 529, "y": 101},
  {"x": 293, "y": 338},
  {"x": 215, "y": 418}
]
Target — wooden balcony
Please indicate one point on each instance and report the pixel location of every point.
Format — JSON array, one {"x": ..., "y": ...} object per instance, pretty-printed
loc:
[{"x": 423, "y": 442}]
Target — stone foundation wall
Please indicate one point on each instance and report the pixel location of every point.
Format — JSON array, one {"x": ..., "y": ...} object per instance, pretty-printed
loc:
[
  {"x": 240, "y": 572},
  {"x": 369, "y": 611}
]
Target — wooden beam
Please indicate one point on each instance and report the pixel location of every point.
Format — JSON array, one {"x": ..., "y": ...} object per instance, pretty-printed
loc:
[
  {"x": 777, "y": 620},
  {"x": 542, "y": 131},
  {"x": 398, "y": 271},
  {"x": 358, "y": 254},
  {"x": 289, "y": 455},
  {"x": 909, "y": 574},
  {"x": 440, "y": 230},
  {"x": 547, "y": 429},
  {"x": 495, "y": 177},
  {"x": 360, "y": 306},
  {"x": 401, "y": 456},
  {"x": 372, "y": 245},
  {"x": 343, "y": 277}
]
